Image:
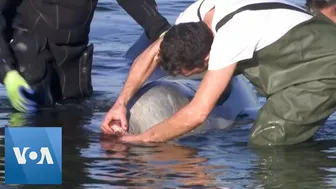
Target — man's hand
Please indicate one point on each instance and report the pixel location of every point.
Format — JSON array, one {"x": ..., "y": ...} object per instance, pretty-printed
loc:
[
  {"x": 141, "y": 69},
  {"x": 115, "y": 121},
  {"x": 17, "y": 91}
]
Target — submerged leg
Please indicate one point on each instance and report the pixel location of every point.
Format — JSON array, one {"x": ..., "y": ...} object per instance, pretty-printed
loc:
[
  {"x": 295, "y": 114},
  {"x": 33, "y": 62},
  {"x": 73, "y": 65}
]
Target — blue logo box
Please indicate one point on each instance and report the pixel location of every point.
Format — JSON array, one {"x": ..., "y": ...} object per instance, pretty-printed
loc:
[{"x": 33, "y": 155}]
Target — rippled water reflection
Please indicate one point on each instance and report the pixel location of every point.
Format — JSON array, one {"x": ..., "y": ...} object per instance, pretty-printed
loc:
[{"x": 218, "y": 159}]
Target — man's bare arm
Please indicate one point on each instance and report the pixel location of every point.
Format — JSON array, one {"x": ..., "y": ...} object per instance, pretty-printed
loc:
[
  {"x": 193, "y": 114},
  {"x": 141, "y": 69}
]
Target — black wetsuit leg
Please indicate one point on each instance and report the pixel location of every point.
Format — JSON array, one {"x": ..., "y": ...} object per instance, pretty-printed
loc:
[
  {"x": 65, "y": 25},
  {"x": 7, "y": 10},
  {"x": 72, "y": 65},
  {"x": 33, "y": 62}
]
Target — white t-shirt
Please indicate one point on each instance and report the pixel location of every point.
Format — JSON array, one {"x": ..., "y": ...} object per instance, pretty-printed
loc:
[{"x": 247, "y": 32}]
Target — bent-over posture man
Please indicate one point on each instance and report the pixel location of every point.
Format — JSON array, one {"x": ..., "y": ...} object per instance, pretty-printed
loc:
[{"x": 286, "y": 53}]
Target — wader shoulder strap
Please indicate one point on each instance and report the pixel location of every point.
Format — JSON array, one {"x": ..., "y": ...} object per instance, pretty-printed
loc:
[
  {"x": 258, "y": 6},
  {"x": 199, "y": 11}
]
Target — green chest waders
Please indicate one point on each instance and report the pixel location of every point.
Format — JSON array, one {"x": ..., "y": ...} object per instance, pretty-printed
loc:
[{"x": 297, "y": 74}]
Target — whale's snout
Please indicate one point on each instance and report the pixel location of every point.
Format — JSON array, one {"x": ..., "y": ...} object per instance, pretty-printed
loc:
[{"x": 155, "y": 102}]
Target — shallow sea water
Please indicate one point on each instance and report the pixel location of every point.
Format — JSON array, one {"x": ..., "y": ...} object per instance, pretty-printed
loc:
[{"x": 218, "y": 159}]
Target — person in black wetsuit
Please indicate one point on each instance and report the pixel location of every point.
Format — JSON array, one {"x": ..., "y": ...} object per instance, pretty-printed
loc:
[
  {"x": 146, "y": 14},
  {"x": 45, "y": 55}
]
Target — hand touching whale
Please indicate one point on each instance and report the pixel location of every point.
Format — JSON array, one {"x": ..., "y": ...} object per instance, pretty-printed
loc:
[{"x": 115, "y": 121}]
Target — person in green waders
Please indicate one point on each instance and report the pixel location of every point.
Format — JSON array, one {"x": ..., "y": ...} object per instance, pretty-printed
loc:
[
  {"x": 286, "y": 53},
  {"x": 326, "y": 7},
  {"x": 45, "y": 55}
]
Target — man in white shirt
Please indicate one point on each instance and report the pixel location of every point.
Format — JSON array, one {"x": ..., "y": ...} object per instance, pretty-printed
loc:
[{"x": 286, "y": 53}]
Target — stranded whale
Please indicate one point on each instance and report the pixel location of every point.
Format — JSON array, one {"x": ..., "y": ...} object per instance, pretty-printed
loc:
[{"x": 164, "y": 95}]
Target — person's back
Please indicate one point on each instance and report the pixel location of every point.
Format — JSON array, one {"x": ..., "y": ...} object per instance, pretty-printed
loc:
[
  {"x": 286, "y": 53},
  {"x": 260, "y": 27},
  {"x": 62, "y": 21}
]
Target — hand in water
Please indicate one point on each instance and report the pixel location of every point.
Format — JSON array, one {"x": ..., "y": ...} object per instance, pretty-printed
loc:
[
  {"x": 115, "y": 120},
  {"x": 17, "y": 92},
  {"x": 117, "y": 129}
]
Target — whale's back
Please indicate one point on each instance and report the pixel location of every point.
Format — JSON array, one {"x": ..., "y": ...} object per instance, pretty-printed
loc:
[{"x": 156, "y": 102}]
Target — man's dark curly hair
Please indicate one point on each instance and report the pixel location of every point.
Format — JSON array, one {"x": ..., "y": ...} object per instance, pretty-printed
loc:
[{"x": 185, "y": 46}]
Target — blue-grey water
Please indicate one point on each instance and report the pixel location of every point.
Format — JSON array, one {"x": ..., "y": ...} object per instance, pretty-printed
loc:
[{"x": 218, "y": 159}]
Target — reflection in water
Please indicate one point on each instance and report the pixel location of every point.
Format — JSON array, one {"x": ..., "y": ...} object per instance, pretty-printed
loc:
[
  {"x": 17, "y": 119},
  {"x": 72, "y": 120},
  {"x": 219, "y": 159},
  {"x": 155, "y": 166},
  {"x": 307, "y": 165}
]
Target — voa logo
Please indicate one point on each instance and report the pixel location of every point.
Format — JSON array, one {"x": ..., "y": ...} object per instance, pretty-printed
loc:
[{"x": 43, "y": 155}]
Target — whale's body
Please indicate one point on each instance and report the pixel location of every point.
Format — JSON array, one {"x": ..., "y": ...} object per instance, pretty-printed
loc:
[{"x": 163, "y": 95}]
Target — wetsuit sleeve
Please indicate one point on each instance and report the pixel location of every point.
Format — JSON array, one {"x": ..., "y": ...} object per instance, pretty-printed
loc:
[
  {"x": 6, "y": 60},
  {"x": 146, "y": 14}
]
